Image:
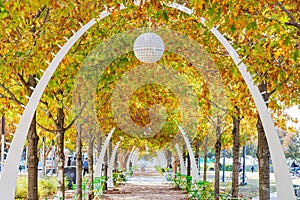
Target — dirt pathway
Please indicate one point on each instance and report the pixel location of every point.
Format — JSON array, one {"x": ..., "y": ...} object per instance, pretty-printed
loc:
[{"x": 145, "y": 185}]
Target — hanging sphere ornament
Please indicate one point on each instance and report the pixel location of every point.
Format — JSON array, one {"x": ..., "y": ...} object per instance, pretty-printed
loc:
[{"x": 148, "y": 47}]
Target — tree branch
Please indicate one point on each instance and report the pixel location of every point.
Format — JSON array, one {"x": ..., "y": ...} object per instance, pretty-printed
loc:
[
  {"x": 216, "y": 105},
  {"x": 292, "y": 21},
  {"x": 48, "y": 112},
  {"x": 211, "y": 120},
  {"x": 76, "y": 117},
  {"x": 276, "y": 87},
  {"x": 24, "y": 83},
  {"x": 47, "y": 129},
  {"x": 12, "y": 96},
  {"x": 39, "y": 12}
]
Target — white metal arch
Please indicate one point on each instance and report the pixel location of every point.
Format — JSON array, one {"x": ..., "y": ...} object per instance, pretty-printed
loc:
[
  {"x": 10, "y": 171},
  {"x": 195, "y": 177},
  {"x": 182, "y": 166},
  {"x": 98, "y": 168},
  {"x": 110, "y": 183}
]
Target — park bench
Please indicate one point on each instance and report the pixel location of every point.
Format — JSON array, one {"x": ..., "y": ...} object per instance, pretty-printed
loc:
[
  {"x": 183, "y": 182},
  {"x": 297, "y": 190},
  {"x": 119, "y": 177},
  {"x": 83, "y": 186},
  {"x": 180, "y": 181},
  {"x": 201, "y": 190},
  {"x": 98, "y": 187},
  {"x": 168, "y": 176},
  {"x": 98, "y": 184}
]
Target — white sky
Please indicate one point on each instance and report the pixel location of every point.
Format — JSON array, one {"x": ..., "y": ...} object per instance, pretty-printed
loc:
[{"x": 294, "y": 112}]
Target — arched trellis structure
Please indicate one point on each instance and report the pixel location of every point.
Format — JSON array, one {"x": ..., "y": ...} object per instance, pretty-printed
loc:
[
  {"x": 99, "y": 163},
  {"x": 10, "y": 171},
  {"x": 182, "y": 166},
  {"x": 110, "y": 183},
  {"x": 195, "y": 176},
  {"x": 131, "y": 159},
  {"x": 162, "y": 158}
]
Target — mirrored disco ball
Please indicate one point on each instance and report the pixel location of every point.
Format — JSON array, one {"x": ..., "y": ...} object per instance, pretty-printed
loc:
[{"x": 148, "y": 47}]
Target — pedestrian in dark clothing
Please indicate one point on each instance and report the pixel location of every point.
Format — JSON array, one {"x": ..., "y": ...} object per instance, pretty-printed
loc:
[
  {"x": 73, "y": 163},
  {"x": 240, "y": 167},
  {"x": 69, "y": 162},
  {"x": 252, "y": 168},
  {"x": 85, "y": 166}
]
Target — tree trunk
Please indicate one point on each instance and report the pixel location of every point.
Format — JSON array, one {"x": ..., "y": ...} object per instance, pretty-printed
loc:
[
  {"x": 60, "y": 156},
  {"x": 78, "y": 163},
  {"x": 205, "y": 158},
  {"x": 197, "y": 154},
  {"x": 184, "y": 156},
  {"x": 169, "y": 157},
  {"x": 188, "y": 164},
  {"x": 116, "y": 162},
  {"x": 44, "y": 157},
  {"x": 175, "y": 165},
  {"x": 217, "y": 162},
  {"x": 105, "y": 167},
  {"x": 33, "y": 160},
  {"x": 91, "y": 169},
  {"x": 126, "y": 159},
  {"x": 263, "y": 154},
  {"x": 122, "y": 159},
  {"x": 236, "y": 152}
]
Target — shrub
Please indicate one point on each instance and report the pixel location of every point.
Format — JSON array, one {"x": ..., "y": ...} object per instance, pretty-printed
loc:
[
  {"x": 46, "y": 186},
  {"x": 21, "y": 188}
]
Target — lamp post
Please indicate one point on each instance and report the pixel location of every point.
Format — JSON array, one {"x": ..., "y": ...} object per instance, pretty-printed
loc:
[
  {"x": 223, "y": 168},
  {"x": 244, "y": 166},
  {"x": 52, "y": 158},
  {"x": 43, "y": 158}
]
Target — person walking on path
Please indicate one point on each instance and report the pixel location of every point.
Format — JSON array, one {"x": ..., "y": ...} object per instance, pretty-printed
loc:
[
  {"x": 240, "y": 167},
  {"x": 73, "y": 163},
  {"x": 85, "y": 166},
  {"x": 252, "y": 168}
]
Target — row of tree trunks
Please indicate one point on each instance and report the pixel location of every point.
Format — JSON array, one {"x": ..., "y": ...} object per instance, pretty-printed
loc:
[{"x": 262, "y": 154}]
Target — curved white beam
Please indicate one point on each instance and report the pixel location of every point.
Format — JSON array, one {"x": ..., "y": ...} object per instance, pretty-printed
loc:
[
  {"x": 110, "y": 183},
  {"x": 163, "y": 158},
  {"x": 284, "y": 184},
  {"x": 195, "y": 176},
  {"x": 136, "y": 157},
  {"x": 98, "y": 168},
  {"x": 10, "y": 170},
  {"x": 129, "y": 159},
  {"x": 159, "y": 159},
  {"x": 182, "y": 166}
]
